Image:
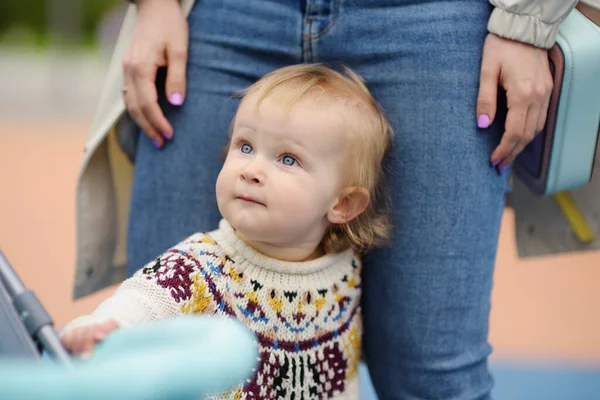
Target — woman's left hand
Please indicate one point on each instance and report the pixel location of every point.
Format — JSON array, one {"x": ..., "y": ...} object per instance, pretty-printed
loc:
[{"x": 524, "y": 72}]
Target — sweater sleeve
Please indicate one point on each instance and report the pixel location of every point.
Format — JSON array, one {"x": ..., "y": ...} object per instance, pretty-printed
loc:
[{"x": 162, "y": 289}]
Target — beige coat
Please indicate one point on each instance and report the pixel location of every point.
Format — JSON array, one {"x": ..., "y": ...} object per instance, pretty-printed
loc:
[{"x": 106, "y": 174}]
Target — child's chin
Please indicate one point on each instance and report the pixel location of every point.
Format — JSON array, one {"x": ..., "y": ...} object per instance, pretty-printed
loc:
[{"x": 249, "y": 227}]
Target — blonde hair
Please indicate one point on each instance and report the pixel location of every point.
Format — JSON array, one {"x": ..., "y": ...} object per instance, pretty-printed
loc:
[{"x": 372, "y": 138}]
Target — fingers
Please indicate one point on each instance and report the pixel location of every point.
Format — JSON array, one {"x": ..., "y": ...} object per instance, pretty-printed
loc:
[
  {"x": 145, "y": 85},
  {"x": 104, "y": 329},
  {"x": 82, "y": 340},
  {"x": 527, "y": 109},
  {"x": 141, "y": 100},
  {"x": 176, "y": 59},
  {"x": 79, "y": 340},
  {"x": 488, "y": 91},
  {"x": 139, "y": 118},
  {"x": 548, "y": 86},
  {"x": 528, "y": 135},
  {"x": 513, "y": 131},
  {"x": 523, "y": 71},
  {"x": 543, "y": 115}
]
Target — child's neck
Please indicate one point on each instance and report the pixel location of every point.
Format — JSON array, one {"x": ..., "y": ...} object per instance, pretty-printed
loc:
[{"x": 305, "y": 252}]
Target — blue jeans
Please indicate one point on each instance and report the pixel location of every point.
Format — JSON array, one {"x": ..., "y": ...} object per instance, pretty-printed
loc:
[{"x": 427, "y": 296}]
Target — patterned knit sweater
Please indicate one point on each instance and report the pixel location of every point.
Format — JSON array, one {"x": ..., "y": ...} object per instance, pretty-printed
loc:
[{"x": 306, "y": 315}]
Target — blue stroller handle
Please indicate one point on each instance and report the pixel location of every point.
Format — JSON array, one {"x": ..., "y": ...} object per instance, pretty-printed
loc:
[{"x": 179, "y": 359}]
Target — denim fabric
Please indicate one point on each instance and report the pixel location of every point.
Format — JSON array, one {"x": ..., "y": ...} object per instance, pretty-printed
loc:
[{"x": 427, "y": 295}]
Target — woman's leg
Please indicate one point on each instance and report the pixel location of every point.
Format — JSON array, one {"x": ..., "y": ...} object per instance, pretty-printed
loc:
[
  {"x": 427, "y": 296},
  {"x": 231, "y": 45}
]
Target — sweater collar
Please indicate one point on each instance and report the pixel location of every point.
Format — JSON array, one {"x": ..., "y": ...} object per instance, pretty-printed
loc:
[{"x": 238, "y": 250}]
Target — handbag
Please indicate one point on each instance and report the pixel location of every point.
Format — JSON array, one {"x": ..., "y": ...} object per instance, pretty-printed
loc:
[{"x": 562, "y": 156}]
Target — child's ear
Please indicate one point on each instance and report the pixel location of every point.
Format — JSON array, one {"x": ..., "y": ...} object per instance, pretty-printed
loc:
[{"x": 351, "y": 203}]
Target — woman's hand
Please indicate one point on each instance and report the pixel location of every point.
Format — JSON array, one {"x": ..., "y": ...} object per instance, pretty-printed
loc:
[
  {"x": 160, "y": 38},
  {"x": 82, "y": 340},
  {"x": 524, "y": 72}
]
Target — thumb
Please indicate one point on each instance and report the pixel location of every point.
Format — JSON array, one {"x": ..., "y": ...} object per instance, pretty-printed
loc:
[
  {"x": 176, "y": 67},
  {"x": 488, "y": 92}
]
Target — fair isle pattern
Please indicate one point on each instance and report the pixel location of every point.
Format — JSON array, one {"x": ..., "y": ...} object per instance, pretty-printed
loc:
[{"x": 308, "y": 325}]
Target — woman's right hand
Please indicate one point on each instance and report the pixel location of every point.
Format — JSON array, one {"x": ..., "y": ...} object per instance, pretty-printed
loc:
[{"x": 160, "y": 38}]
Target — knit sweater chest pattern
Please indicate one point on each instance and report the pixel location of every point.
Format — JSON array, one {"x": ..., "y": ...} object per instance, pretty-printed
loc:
[{"x": 306, "y": 315}]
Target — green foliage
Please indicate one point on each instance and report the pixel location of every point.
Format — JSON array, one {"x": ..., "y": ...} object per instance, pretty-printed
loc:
[{"x": 31, "y": 19}]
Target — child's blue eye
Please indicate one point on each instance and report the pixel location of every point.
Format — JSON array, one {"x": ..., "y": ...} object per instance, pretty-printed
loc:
[
  {"x": 246, "y": 148},
  {"x": 288, "y": 161}
]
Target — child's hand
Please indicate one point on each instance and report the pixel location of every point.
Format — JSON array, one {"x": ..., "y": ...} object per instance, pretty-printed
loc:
[{"x": 83, "y": 339}]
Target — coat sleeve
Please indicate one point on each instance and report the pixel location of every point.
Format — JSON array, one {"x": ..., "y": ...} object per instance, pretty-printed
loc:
[{"x": 529, "y": 21}]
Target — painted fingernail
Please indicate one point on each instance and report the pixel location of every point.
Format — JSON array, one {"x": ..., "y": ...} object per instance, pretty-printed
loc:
[
  {"x": 483, "y": 121},
  {"x": 494, "y": 164},
  {"x": 156, "y": 143},
  {"x": 176, "y": 99},
  {"x": 167, "y": 136},
  {"x": 503, "y": 169}
]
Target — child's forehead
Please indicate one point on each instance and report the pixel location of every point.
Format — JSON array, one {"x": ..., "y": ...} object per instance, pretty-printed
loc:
[{"x": 307, "y": 122}]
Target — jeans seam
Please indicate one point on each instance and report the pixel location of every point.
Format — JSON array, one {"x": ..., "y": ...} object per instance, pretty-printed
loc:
[
  {"x": 327, "y": 28},
  {"x": 307, "y": 37}
]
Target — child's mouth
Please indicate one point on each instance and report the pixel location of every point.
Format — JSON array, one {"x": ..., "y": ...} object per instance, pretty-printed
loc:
[{"x": 249, "y": 199}]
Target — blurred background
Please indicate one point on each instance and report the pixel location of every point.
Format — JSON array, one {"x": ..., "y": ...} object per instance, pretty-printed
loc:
[{"x": 545, "y": 323}]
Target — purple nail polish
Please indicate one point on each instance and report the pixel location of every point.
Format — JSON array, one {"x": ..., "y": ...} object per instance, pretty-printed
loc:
[
  {"x": 156, "y": 143},
  {"x": 176, "y": 99},
  {"x": 495, "y": 163},
  {"x": 167, "y": 136},
  {"x": 503, "y": 169},
  {"x": 483, "y": 121}
]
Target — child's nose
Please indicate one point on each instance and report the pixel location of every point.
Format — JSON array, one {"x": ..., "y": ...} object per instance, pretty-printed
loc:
[{"x": 253, "y": 173}]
